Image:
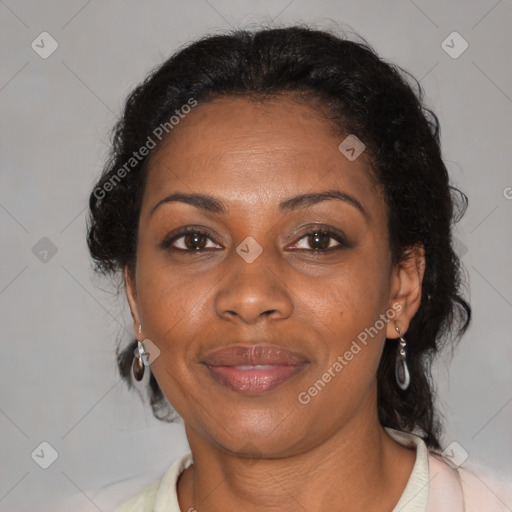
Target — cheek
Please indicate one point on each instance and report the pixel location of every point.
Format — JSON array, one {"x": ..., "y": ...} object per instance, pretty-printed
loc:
[
  {"x": 166, "y": 307},
  {"x": 348, "y": 298},
  {"x": 347, "y": 307},
  {"x": 167, "y": 293},
  {"x": 347, "y": 314},
  {"x": 173, "y": 313},
  {"x": 173, "y": 318}
]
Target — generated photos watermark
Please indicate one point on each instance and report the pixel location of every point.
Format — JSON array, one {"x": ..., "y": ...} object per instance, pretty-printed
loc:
[
  {"x": 137, "y": 156},
  {"x": 304, "y": 397}
]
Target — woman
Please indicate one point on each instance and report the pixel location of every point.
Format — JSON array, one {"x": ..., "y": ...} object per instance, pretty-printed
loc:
[{"x": 278, "y": 207}]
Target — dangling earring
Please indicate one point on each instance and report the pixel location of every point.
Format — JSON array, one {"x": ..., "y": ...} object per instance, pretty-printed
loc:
[
  {"x": 402, "y": 375},
  {"x": 138, "y": 364}
]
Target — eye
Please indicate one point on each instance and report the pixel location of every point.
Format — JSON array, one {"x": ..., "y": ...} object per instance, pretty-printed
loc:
[
  {"x": 322, "y": 240},
  {"x": 190, "y": 240},
  {"x": 196, "y": 240}
]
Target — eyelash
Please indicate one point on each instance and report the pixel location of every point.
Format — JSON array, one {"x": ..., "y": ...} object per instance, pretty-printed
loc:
[{"x": 321, "y": 230}]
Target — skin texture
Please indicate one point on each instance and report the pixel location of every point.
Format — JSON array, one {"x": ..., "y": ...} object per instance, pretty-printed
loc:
[{"x": 270, "y": 452}]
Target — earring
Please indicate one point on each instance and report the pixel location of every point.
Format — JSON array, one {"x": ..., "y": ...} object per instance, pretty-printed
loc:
[
  {"x": 402, "y": 375},
  {"x": 138, "y": 364}
]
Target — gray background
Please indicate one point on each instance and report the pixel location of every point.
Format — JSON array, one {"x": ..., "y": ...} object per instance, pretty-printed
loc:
[{"x": 59, "y": 322}]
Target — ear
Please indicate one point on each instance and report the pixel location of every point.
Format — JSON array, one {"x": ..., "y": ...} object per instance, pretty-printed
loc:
[
  {"x": 131, "y": 295},
  {"x": 406, "y": 285}
]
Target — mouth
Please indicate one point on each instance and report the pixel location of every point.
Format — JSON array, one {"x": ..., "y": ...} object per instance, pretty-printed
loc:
[{"x": 252, "y": 370}]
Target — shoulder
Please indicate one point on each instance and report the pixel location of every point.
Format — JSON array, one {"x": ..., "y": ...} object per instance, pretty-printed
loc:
[
  {"x": 485, "y": 489},
  {"x": 142, "y": 501},
  {"x": 162, "y": 494},
  {"x": 472, "y": 487}
]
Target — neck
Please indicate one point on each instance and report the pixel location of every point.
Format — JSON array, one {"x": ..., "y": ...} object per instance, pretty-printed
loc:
[{"x": 360, "y": 467}]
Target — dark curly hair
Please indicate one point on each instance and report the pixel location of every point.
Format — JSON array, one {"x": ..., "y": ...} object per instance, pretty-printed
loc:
[{"x": 362, "y": 95}]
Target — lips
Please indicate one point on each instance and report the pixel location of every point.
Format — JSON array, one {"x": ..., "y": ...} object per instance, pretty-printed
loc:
[
  {"x": 239, "y": 355},
  {"x": 255, "y": 369}
]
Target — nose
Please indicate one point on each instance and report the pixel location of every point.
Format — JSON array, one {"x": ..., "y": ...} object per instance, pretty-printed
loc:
[{"x": 253, "y": 291}]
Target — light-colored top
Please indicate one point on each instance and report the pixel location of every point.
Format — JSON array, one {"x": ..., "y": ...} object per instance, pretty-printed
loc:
[{"x": 433, "y": 486}]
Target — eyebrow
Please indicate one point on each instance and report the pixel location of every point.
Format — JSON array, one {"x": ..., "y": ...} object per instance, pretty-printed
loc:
[{"x": 214, "y": 205}]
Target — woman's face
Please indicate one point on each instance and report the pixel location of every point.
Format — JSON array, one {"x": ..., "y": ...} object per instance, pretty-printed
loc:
[{"x": 261, "y": 280}]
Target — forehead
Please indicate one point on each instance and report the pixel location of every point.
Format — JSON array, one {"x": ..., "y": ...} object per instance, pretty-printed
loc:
[{"x": 241, "y": 149}]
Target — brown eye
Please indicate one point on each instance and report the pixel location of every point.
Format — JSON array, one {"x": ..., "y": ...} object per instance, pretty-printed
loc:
[
  {"x": 195, "y": 241},
  {"x": 190, "y": 240},
  {"x": 319, "y": 240}
]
